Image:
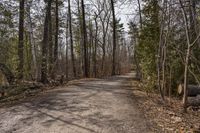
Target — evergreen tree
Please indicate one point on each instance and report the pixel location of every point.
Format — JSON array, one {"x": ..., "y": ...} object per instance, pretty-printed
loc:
[{"x": 148, "y": 42}]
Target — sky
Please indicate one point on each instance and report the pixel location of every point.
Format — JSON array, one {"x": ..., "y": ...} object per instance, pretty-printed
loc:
[{"x": 126, "y": 12}]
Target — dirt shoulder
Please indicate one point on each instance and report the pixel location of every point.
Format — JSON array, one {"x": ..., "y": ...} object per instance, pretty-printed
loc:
[{"x": 168, "y": 117}]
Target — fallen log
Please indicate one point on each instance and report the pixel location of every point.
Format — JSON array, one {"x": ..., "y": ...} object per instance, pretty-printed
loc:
[
  {"x": 194, "y": 101},
  {"x": 193, "y": 90}
]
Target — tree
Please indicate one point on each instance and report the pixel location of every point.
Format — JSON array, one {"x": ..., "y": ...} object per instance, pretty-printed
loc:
[
  {"x": 148, "y": 44},
  {"x": 161, "y": 54},
  {"x": 56, "y": 38},
  {"x": 21, "y": 40},
  {"x": 51, "y": 44},
  {"x": 66, "y": 52},
  {"x": 190, "y": 43},
  {"x": 95, "y": 46},
  {"x": 140, "y": 13},
  {"x": 32, "y": 41},
  {"x": 103, "y": 13},
  {"x": 114, "y": 38},
  {"x": 45, "y": 43},
  {"x": 71, "y": 38},
  {"x": 90, "y": 44},
  {"x": 86, "y": 72}
]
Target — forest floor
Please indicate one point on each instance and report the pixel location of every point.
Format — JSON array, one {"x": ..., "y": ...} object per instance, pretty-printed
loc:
[
  {"x": 83, "y": 106},
  {"x": 167, "y": 117}
]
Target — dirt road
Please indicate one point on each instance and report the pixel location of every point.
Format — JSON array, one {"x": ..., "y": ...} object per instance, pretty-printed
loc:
[{"x": 86, "y": 106}]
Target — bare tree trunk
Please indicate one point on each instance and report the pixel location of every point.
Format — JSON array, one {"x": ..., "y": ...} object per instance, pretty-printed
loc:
[
  {"x": 161, "y": 56},
  {"x": 193, "y": 20},
  {"x": 140, "y": 13},
  {"x": 86, "y": 74},
  {"x": 105, "y": 25},
  {"x": 185, "y": 84},
  {"x": 27, "y": 56},
  {"x": 32, "y": 43},
  {"x": 45, "y": 43},
  {"x": 114, "y": 39},
  {"x": 81, "y": 40},
  {"x": 95, "y": 48},
  {"x": 164, "y": 48},
  {"x": 71, "y": 38},
  {"x": 185, "y": 96},
  {"x": 170, "y": 83},
  {"x": 103, "y": 48},
  {"x": 187, "y": 58},
  {"x": 90, "y": 47},
  {"x": 21, "y": 40},
  {"x": 56, "y": 41},
  {"x": 66, "y": 52},
  {"x": 163, "y": 69},
  {"x": 50, "y": 47}
]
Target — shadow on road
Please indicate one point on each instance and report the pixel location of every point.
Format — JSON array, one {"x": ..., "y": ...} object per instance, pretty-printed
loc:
[{"x": 83, "y": 106}]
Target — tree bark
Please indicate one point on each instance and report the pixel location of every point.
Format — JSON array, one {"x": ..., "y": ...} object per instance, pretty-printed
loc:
[
  {"x": 71, "y": 38},
  {"x": 67, "y": 63},
  {"x": 81, "y": 39},
  {"x": 90, "y": 46},
  {"x": 45, "y": 43},
  {"x": 21, "y": 40},
  {"x": 50, "y": 47},
  {"x": 95, "y": 47},
  {"x": 114, "y": 39},
  {"x": 140, "y": 13},
  {"x": 86, "y": 72},
  {"x": 56, "y": 40},
  {"x": 185, "y": 84},
  {"x": 32, "y": 43},
  {"x": 160, "y": 58}
]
